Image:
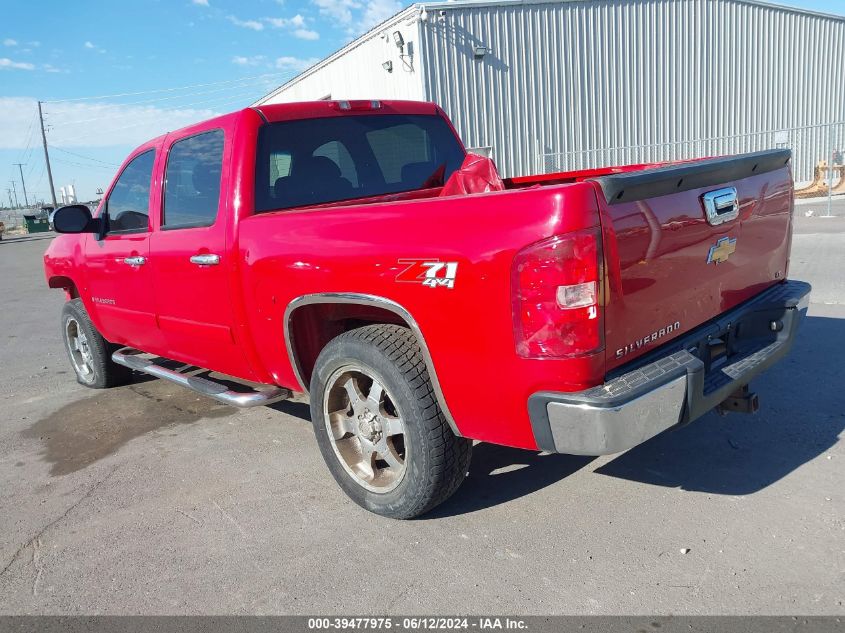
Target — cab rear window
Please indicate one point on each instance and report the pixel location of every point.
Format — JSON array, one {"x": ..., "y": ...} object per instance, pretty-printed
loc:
[{"x": 318, "y": 161}]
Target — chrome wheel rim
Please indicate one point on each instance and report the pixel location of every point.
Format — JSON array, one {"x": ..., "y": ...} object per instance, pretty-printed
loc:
[
  {"x": 365, "y": 428},
  {"x": 79, "y": 350}
]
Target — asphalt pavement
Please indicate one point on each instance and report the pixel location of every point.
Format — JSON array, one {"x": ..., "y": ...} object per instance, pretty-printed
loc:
[{"x": 151, "y": 499}]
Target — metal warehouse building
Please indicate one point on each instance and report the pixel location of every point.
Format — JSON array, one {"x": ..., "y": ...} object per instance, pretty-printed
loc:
[{"x": 545, "y": 85}]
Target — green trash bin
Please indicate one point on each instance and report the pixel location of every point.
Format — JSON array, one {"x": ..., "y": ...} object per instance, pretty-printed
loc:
[{"x": 34, "y": 224}]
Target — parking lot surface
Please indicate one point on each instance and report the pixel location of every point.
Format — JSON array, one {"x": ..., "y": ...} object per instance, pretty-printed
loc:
[{"x": 151, "y": 499}]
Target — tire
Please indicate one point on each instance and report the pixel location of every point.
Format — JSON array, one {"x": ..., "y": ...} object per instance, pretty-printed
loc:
[
  {"x": 410, "y": 473},
  {"x": 89, "y": 353}
]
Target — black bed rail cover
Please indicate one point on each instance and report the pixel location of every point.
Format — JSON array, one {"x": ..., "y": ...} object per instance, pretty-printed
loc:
[{"x": 662, "y": 181}]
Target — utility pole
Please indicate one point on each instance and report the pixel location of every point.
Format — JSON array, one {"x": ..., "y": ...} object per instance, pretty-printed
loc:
[
  {"x": 9, "y": 191},
  {"x": 15, "y": 191},
  {"x": 23, "y": 184},
  {"x": 47, "y": 156}
]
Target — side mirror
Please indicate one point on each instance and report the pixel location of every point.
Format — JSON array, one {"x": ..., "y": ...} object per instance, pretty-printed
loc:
[{"x": 74, "y": 218}]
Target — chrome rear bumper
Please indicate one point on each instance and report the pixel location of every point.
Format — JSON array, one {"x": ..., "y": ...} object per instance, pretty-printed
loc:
[{"x": 675, "y": 384}]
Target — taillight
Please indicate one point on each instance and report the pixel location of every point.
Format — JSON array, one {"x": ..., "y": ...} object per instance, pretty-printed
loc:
[{"x": 556, "y": 287}]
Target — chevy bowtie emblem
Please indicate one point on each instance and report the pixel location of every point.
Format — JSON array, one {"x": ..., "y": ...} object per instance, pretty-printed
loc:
[{"x": 723, "y": 249}]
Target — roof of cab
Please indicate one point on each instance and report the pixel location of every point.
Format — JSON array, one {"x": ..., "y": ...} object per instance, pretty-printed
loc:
[{"x": 318, "y": 109}]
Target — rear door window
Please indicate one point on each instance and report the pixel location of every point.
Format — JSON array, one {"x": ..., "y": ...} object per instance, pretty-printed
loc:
[{"x": 192, "y": 181}]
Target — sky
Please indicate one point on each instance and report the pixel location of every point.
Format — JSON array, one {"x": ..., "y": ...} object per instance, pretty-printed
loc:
[{"x": 173, "y": 62}]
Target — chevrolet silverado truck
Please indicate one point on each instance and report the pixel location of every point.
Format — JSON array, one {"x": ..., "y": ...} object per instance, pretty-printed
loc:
[{"x": 356, "y": 252}]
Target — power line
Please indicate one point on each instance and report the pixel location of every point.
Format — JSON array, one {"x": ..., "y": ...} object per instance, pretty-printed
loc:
[
  {"x": 85, "y": 157},
  {"x": 86, "y": 166},
  {"x": 40, "y": 178},
  {"x": 31, "y": 169},
  {"x": 144, "y": 92},
  {"x": 134, "y": 112},
  {"x": 254, "y": 82},
  {"x": 132, "y": 125},
  {"x": 23, "y": 157}
]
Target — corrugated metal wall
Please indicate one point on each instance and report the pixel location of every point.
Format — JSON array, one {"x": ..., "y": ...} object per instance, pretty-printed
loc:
[{"x": 636, "y": 79}]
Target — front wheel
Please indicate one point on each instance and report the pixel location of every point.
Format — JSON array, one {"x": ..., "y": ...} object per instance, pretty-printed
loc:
[
  {"x": 378, "y": 424},
  {"x": 88, "y": 351}
]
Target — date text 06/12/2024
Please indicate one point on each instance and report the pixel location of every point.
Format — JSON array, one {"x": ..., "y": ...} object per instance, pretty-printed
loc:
[{"x": 417, "y": 623}]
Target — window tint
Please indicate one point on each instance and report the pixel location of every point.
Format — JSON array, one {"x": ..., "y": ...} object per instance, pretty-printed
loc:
[
  {"x": 317, "y": 161},
  {"x": 339, "y": 155},
  {"x": 192, "y": 180},
  {"x": 279, "y": 166},
  {"x": 129, "y": 201},
  {"x": 398, "y": 146}
]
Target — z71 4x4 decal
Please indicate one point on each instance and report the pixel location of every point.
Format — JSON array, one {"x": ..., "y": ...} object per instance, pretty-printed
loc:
[{"x": 429, "y": 272}]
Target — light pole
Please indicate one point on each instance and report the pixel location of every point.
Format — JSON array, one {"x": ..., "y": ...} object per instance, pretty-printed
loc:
[
  {"x": 23, "y": 184},
  {"x": 47, "y": 156}
]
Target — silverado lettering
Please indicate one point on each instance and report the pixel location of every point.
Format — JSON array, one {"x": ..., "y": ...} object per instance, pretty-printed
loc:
[
  {"x": 271, "y": 245},
  {"x": 648, "y": 339}
]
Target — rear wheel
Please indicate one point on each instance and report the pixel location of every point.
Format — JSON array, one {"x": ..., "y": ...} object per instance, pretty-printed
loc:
[
  {"x": 378, "y": 424},
  {"x": 89, "y": 353}
]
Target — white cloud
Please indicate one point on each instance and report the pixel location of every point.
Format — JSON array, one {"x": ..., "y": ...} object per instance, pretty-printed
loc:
[
  {"x": 296, "y": 21},
  {"x": 94, "y": 124},
  {"x": 255, "y": 60},
  {"x": 5, "y": 62},
  {"x": 297, "y": 24},
  {"x": 202, "y": 3},
  {"x": 356, "y": 16},
  {"x": 93, "y": 47},
  {"x": 338, "y": 10},
  {"x": 306, "y": 34},
  {"x": 247, "y": 24},
  {"x": 10, "y": 42},
  {"x": 379, "y": 10},
  {"x": 295, "y": 64}
]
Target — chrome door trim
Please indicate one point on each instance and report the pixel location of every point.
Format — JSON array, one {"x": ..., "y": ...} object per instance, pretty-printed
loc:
[
  {"x": 721, "y": 205},
  {"x": 369, "y": 300},
  {"x": 136, "y": 260}
]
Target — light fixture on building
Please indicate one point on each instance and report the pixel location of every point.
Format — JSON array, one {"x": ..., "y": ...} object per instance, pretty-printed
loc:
[
  {"x": 388, "y": 66},
  {"x": 480, "y": 51},
  {"x": 398, "y": 39}
]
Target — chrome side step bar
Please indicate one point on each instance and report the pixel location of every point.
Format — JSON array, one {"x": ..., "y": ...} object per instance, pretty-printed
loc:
[{"x": 131, "y": 358}]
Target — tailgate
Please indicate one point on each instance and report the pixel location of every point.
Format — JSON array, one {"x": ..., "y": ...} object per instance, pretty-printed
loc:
[{"x": 686, "y": 242}]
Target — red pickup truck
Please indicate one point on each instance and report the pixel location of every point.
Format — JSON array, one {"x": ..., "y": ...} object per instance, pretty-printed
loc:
[{"x": 326, "y": 247}]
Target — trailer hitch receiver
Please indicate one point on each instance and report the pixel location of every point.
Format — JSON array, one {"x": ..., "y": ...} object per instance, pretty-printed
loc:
[{"x": 743, "y": 400}]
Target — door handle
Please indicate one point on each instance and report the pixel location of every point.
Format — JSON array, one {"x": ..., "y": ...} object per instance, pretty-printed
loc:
[
  {"x": 206, "y": 259},
  {"x": 135, "y": 261},
  {"x": 721, "y": 205}
]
